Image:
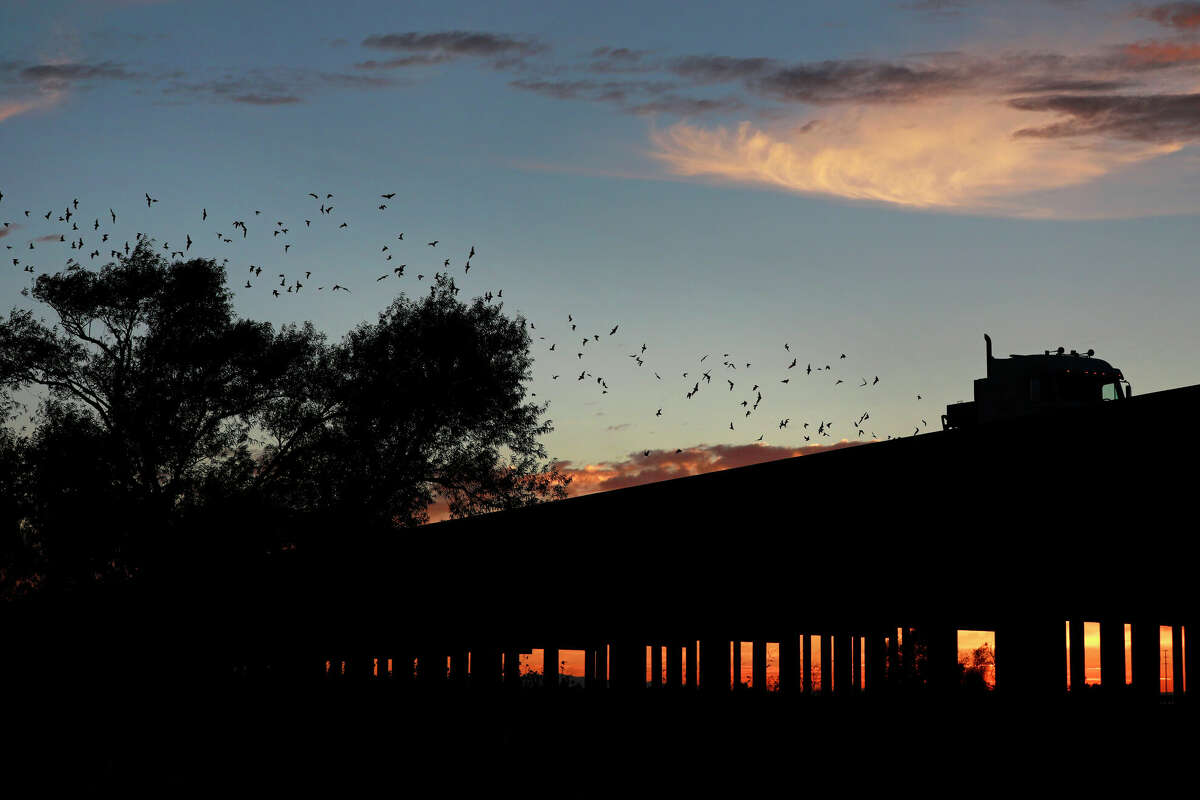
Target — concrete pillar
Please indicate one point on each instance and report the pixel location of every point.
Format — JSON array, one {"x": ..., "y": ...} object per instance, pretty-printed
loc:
[
  {"x": 458, "y": 667},
  {"x": 827, "y": 659},
  {"x": 512, "y": 668},
  {"x": 843, "y": 663},
  {"x": 908, "y": 657},
  {"x": 675, "y": 665},
  {"x": 714, "y": 665},
  {"x": 656, "y": 665},
  {"x": 856, "y": 658},
  {"x": 626, "y": 665},
  {"x": 1177, "y": 664},
  {"x": 1189, "y": 656},
  {"x": 1145, "y": 658},
  {"x": 758, "y": 666},
  {"x": 893, "y": 657},
  {"x": 550, "y": 668},
  {"x": 1031, "y": 659},
  {"x": 941, "y": 656},
  {"x": 693, "y": 664},
  {"x": 789, "y": 663},
  {"x": 806, "y": 668},
  {"x": 876, "y": 661},
  {"x": 1112, "y": 656}
]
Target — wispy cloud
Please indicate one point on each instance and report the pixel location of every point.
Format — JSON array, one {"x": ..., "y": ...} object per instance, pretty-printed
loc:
[
  {"x": 659, "y": 465},
  {"x": 1162, "y": 54},
  {"x": 1172, "y": 119},
  {"x": 11, "y": 108},
  {"x": 457, "y": 43},
  {"x": 8, "y": 229},
  {"x": 945, "y": 155},
  {"x": 419, "y": 60},
  {"x": 1181, "y": 16},
  {"x": 596, "y": 91},
  {"x": 266, "y": 99},
  {"x": 75, "y": 72}
]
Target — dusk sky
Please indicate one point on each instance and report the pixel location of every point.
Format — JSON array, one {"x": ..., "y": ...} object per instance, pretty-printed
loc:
[{"x": 887, "y": 180}]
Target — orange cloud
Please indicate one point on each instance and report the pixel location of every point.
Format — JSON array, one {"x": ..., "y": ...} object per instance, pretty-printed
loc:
[
  {"x": 1144, "y": 54},
  {"x": 946, "y": 154},
  {"x": 13, "y": 108},
  {"x": 1180, "y": 15},
  {"x": 662, "y": 465}
]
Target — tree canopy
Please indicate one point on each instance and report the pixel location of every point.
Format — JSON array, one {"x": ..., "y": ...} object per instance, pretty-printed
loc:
[{"x": 168, "y": 421}]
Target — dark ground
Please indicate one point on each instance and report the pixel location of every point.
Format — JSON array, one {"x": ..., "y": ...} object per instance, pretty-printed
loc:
[{"x": 584, "y": 742}]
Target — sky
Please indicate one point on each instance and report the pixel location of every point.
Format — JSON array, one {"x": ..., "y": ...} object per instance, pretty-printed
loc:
[{"x": 884, "y": 180}]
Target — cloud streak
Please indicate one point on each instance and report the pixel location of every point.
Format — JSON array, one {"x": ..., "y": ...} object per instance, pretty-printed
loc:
[
  {"x": 1171, "y": 119},
  {"x": 75, "y": 72},
  {"x": 457, "y": 43},
  {"x": 12, "y": 108},
  {"x": 1180, "y": 16},
  {"x": 267, "y": 99},
  {"x": 660, "y": 465}
]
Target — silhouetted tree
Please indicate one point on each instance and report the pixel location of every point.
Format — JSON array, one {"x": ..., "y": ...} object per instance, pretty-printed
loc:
[
  {"x": 15, "y": 555},
  {"x": 426, "y": 403},
  {"x": 976, "y": 668},
  {"x": 150, "y": 378},
  {"x": 157, "y": 396}
]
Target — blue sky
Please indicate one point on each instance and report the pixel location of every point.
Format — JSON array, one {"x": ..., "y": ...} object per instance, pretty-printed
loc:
[{"x": 886, "y": 180}]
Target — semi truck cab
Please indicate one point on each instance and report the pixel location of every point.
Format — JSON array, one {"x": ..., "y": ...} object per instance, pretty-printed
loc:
[{"x": 1031, "y": 385}]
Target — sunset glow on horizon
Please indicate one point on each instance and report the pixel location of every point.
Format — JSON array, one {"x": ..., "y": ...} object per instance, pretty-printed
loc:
[{"x": 723, "y": 191}]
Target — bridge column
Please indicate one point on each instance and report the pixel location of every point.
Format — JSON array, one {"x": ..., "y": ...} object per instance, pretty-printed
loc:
[
  {"x": 1145, "y": 659},
  {"x": 458, "y": 667},
  {"x": 909, "y": 655},
  {"x": 893, "y": 657},
  {"x": 1031, "y": 659},
  {"x": 693, "y": 665},
  {"x": 758, "y": 666},
  {"x": 512, "y": 668},
  {"x": 1112, "y": 656},
  {"x": 806, "y": 670},
  {"x": 550, "y": 668},
  {"x": 856, "y": 658},
  {"x": 675, "y": 665},
  {"x": 1177, "y": 665},
  {"x": 485, "y": 667},
  {"x": 789, "y": 663},
  {"x": 656, "y": 665},
  {"x": 714, "y": 665},
  {"x": 826, "y": 661},
  {"x": 941, "y": 656},
  {"x": 843, "y": 663},
  {"x": 627, "y": 665},
  {"x": 1189, "y": 655},
  {"x": 876, "y": 661}
]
